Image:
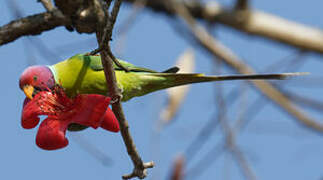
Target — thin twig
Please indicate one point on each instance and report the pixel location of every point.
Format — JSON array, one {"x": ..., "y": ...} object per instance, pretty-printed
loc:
[
  {"x": 197, "y": 144},
  {"x": 242, "y": 162},
  {"x": 140, "y": 168},
  {"x": 47, "y": 4},
  {"x": 126, "y": 25},
  {"x": 107, "y": 33},
  {"x": 229, "y": 133},
  {"x": 177, "y": 169},
  {"x": 202, "y": 137},
  {"x": 39, "y": 45},
  {"x": 231, "y": 97},
  {"x": 204, "y": 39},
  {"x": 258, "y": 23},
  {"x": 306, "y": 101},
  {"x": 205, "y": 162},
  {"x": 137, "y": 6},
  {"x": 256, "y": 107},
  {"x": 229, "y": 145}
]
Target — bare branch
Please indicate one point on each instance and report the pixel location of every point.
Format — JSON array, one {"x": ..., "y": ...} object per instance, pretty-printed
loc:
[
  {"x": 217, "y": 49},
  {"x": 230, "y": 134},
  {"x": 126, "y": 25},
  {"x": 206, "y": 161},
  {"x": 103, "y": 37},
  {"x": 177, "y": 169},
  {"x": 140, "y": 173},
  {"x": 257, "y": 23},
  {"x": 243, "y": 163},
  {"x": 107, "y": 31},
  {"x": 32, "y": 25},
  {"x": 137, "y": 6},
  {"x": 47, "y": 4},
  {"x": 201, "y": 139},
  {"x": 140, "y": 167},
  {"x": 306, "y": 101}
]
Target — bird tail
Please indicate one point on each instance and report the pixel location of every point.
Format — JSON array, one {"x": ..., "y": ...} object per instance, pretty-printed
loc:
[{"x": 158, "y": 81}]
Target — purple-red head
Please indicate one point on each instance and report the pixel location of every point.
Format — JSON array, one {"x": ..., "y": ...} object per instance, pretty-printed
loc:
[{"x": 35, "y": 79}]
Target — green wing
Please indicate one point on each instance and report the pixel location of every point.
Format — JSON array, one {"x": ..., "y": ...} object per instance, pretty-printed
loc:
[{"x": 96, "y": 65}]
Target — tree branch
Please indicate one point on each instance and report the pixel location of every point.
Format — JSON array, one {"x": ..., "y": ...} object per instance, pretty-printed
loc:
[
  {"x": 32, "y": 25},
  {"x": 256, "y": 23},
  {"x": 140, "y": 169},
  {"x": 230, "y": 134},
  {"x": 205, "y": 40},
  {"x": 104, "y": 35},
  {"x": 47, "y": 4}
]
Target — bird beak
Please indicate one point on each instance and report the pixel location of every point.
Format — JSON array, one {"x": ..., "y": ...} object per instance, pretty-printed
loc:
[{"x": 28, "y": 90}]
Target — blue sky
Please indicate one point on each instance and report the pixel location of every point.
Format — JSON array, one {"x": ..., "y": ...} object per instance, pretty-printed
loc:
[{"x": 275, "y": 146}]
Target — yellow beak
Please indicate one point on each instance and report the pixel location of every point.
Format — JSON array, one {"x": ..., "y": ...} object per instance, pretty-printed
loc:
[{"x": 28, "y": 90}]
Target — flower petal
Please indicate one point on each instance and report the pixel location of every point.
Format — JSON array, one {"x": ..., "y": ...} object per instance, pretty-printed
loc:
[
  {"x": 84, "y": 109},
  {"x": 110, "y": 121},
  {"x": 89, "y": 109},
  {"x": 30, "y": 112},
  {"x": 51, "y": 134}
]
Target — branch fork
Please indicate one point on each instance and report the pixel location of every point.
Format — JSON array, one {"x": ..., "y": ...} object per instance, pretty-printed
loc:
[{"x": 140, "y": 171}]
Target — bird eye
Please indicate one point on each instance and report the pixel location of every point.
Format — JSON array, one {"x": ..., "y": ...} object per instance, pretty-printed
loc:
[{"x": 35, "y": 78}]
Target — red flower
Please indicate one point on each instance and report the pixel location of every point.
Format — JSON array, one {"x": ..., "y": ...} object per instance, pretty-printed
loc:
[{"x": 85, "y": 109}]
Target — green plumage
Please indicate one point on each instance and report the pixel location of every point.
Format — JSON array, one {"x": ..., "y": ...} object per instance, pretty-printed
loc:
[{"x": 84, "y": 74}]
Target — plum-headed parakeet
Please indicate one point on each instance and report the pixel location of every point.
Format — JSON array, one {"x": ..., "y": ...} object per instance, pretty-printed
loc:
[{"x": 83, "y": 74}]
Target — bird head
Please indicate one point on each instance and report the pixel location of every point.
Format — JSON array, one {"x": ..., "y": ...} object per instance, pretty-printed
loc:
[{"x": 35, "y": 79}]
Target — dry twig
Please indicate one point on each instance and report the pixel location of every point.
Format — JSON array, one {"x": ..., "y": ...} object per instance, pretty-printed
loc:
[
  {"x": 177, "y": 170},
  {"x": 257, "y": 23},
  {"x": 47, "y": 4},
  {"x": 230, "y": 135},
  {"x": 103, "y": 36},
  {"x": 205, "y": 40},
  {"x": 126, "y": 25}
]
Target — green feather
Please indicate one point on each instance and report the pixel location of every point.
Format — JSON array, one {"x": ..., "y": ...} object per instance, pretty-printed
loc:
[
  {"x": 84, "y": 74},
  {"x": 95, "y": 64}
]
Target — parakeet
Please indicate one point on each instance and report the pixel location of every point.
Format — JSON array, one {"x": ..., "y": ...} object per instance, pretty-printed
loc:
[{"x": 83, "y": 74}]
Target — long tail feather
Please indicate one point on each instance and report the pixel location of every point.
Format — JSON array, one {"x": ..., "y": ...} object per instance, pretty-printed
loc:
[
  {"x": 181, "y": 78},
  {"x": 158, "y": 81}
]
